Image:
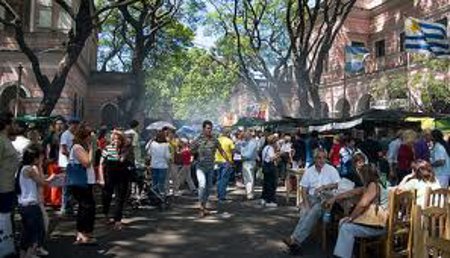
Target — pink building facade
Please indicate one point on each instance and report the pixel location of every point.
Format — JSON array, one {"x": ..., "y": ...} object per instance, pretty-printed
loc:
[
  {"x": 377, "y": 25},
  {"x": 85, "y": 95}
]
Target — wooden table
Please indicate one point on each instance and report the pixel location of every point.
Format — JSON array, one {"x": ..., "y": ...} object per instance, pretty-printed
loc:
[{"x": 298, "y": 173}]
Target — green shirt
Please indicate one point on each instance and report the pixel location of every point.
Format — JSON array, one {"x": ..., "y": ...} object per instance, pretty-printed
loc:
[{"x": 9, "y": 164}]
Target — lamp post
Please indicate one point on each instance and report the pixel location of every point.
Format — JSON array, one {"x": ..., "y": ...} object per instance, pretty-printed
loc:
[{"x": 19, "y": 82}]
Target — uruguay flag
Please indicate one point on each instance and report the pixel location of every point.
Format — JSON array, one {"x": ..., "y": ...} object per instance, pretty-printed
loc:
[
  {"x": 354, "y": 58},
  {"x": 426, "y": 38}
]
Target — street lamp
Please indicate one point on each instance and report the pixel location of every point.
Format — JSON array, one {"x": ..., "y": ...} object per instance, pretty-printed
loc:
[{"x": 19, "y": 82}]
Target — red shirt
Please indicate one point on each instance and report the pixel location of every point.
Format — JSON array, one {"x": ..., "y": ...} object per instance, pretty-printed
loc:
[
  {"x": 335, "y": 158},
  {"x": 186, "y": 156},
  {"x": 405, "y": 157}
]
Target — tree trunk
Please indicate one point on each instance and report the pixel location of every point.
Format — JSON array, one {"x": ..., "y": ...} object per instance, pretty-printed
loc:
[{"x": 304, "y": 84}]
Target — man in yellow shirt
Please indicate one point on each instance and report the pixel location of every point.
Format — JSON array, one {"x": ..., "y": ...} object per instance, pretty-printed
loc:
[{"x": 224, "y": 166}]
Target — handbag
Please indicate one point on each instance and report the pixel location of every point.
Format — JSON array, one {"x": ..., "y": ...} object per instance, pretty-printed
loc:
[
  {"x": 374, "y": 216},
  {"x": 76, "y": 175}
]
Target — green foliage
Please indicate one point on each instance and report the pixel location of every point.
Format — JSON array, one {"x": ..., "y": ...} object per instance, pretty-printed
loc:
[
  {"x": 189, "y": 85},
  {"x": 426, "y": 78}
]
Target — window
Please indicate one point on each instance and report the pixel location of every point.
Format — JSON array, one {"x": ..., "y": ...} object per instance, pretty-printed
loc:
[
  {"x": 443, "y": 21},
  {"x": 380, "y": 48},
  {"x": 2, "y": 15},
  {"x": 64, "y": 19},
  {"x": 401, "y": 42},
  {"x": 358, "y": 44},
  {"x": 44, "y": 13}
]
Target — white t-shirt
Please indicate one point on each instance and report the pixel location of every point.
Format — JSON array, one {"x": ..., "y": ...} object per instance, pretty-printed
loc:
[
  {"x": 312, "y": 179},
  {"x": 160, "y": 155},
  {"x": 66, "y": 139},
  {"x": 20, "y": 144},
  {"x": 420, "y": 186},
  {"x": 392, "y": 152},
  {"x": 438, "y": 152},
  {"x": 268, "y": 154},
  {"x": 286, "y": 147}
]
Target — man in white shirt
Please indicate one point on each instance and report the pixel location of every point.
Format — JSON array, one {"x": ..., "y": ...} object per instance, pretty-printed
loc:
[
  {"x": 133, "y": 131},
  {"x": 65, "y": 144},
  {"x": 317, "y": 180}
]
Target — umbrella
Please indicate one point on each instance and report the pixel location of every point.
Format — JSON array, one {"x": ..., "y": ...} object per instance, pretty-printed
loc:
[
  {"x": 160, "y": 125},
  {"x": 187, "y": 131}
]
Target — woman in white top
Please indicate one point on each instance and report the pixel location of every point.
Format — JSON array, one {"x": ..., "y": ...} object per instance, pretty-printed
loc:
[
  {"x": 160, "y": 157},
  {"x": 269, "y": 157},
  {"x": 80, "y": 160},
  {"x": 420, "y": 179},
  {"x": 28, "y": 181}
]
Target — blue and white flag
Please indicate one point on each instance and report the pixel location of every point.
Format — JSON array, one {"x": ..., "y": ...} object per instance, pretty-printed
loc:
[
  {"x": 354, "y": 58},
  {"x": 426, "y": 38}
]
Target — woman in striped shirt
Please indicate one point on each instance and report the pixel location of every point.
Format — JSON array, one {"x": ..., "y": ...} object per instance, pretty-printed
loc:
[{"x": 114, "y": 165}]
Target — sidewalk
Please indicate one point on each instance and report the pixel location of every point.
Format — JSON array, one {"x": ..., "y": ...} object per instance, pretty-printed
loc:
[{"x": 250, "y": 231}]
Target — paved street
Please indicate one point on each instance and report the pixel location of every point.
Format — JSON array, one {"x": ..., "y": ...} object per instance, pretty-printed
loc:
[{"x": 250, "y": 231}]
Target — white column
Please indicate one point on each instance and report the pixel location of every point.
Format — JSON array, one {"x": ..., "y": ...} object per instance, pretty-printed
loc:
[{"x": 32, "y": 15}]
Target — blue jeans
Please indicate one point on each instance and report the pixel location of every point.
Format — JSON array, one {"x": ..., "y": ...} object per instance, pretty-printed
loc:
[
  {"x": 159, "y": 180},
  {"x": 347, "y": 234},
  {"x": 223, "y": 177},
  {"x": 67, "y": 201},
  {"x": 308, "y": 220},
  {"x": 204, "y": 177}
]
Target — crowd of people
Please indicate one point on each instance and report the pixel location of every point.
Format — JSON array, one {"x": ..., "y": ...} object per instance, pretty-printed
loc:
[{"x": 62, "y": 169}]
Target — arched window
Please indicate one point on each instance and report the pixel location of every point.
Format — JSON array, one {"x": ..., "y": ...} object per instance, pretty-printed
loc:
[
  {"x": 110, "y": 115},
  {"x": 8, "y": 99},
  {"x": 343, "y": 108},
  {"x": 364, "y": 103}
]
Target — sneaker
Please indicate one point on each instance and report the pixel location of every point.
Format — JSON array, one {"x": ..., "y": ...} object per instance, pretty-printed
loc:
[
  {"x": 40, "y": 251},
  {"x": 271, "y": 205},
  {"x": 250, "y": 197}
]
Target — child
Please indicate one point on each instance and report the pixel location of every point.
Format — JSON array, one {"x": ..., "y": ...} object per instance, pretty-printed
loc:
[{"x": 28, "y": 180}]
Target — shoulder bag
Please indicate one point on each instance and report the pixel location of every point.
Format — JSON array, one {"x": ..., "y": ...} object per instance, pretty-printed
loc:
[{"x": 375, "y": 215}]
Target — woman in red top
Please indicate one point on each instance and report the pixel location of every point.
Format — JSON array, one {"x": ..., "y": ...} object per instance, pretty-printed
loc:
[
  {"x": 335, "y": 158},
  {"x": 185, "y": 172},
  {"x": 405, "y": 155}
]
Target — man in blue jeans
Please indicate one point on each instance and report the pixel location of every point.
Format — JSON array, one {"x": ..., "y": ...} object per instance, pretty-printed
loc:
[
  {"x": 224, "y": 165},
  {"x": 205, "y": 146}
]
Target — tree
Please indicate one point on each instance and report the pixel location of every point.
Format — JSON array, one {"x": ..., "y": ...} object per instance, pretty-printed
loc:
[
  {"x": 138, "y": 35},
  {"x": 312, "y": 27},
  {"x": 189, "y": 85},
  {"x": 423, "y": 84},
  {"x": 85, "y": 19},
  {"x": 253, "y": 35}
]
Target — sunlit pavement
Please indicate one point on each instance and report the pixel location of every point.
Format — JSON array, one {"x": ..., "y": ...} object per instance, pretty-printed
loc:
[{"x": 246, "y": 230}]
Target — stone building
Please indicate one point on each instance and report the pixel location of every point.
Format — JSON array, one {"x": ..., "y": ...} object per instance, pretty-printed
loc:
[
  {"x": 377, "y": 25},
  {"x": 88, "y": 94}
]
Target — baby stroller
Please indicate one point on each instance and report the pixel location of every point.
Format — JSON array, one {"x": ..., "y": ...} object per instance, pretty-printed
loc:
[
  {"x": 156, "y": 199},
  {"x": 139, "y": 185}
]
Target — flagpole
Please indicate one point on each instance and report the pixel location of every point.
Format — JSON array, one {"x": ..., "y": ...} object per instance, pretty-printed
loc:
[{"x": 407, "y": 81}]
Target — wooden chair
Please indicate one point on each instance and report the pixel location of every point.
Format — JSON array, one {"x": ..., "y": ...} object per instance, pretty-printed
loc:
[
  {"x": 398, "y": 241},
  {"x": 432, "y": 224},
  {"x": 436, "y": 198}
]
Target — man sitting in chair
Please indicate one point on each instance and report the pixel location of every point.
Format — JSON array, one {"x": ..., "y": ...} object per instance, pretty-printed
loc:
[{"x": 318, "y": 179}]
